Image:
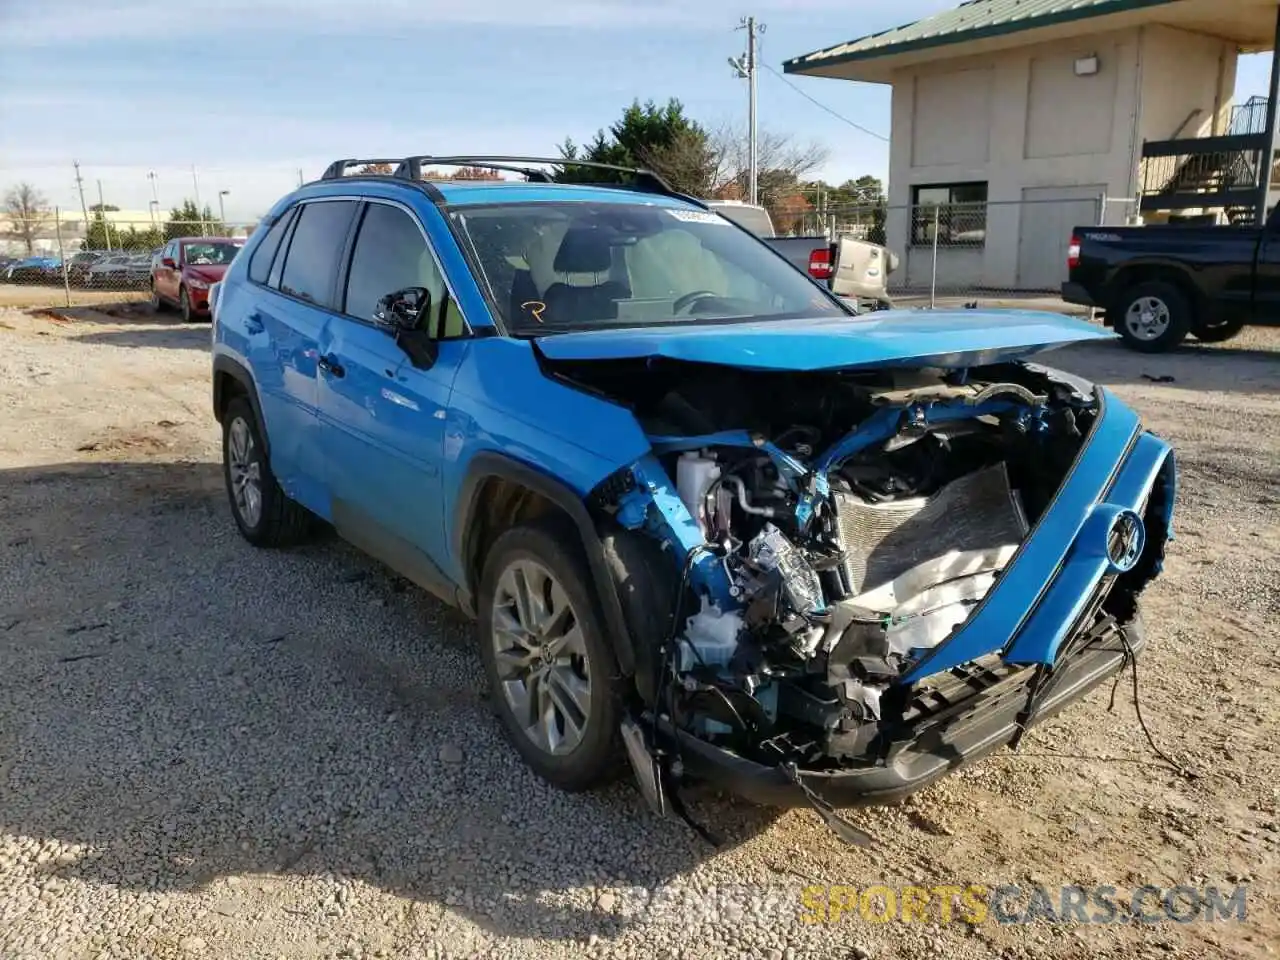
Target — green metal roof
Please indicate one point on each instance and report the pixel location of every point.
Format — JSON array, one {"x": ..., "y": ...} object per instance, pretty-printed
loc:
[{"x": 970, "y": 21}]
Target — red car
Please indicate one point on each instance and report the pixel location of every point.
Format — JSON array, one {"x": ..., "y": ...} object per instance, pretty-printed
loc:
[{"x": 185, "y": 270}]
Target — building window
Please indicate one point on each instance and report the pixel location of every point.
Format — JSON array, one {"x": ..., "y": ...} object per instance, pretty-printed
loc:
[{"x": 958, "y": 209}]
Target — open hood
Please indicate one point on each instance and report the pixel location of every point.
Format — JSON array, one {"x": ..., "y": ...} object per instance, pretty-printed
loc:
[{"x": 902, "y": 338}]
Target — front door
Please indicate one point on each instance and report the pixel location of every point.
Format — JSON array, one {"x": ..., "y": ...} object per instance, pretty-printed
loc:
[{"x": 383, "y": 418}]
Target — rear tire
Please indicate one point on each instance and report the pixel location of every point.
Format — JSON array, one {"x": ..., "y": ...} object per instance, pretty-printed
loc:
[
  {"x": 1207, "y": 332},
  {"x": 157, "y": 301},
  {"x": 263, "y": 512},
  {"x": 552, "y": 675},
  {"x": 1152, "y": 316}
]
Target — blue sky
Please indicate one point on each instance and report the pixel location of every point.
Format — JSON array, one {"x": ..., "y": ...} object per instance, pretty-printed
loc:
[{"x": 251, "y": 90}]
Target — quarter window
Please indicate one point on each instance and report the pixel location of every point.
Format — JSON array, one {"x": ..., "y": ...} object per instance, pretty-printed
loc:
[
  {"x": 312, "y": 260},
  {"x": 260, "y": 265}
]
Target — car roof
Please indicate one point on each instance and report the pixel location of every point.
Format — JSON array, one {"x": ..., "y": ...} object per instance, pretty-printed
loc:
[{"x": 209, "y": 239}]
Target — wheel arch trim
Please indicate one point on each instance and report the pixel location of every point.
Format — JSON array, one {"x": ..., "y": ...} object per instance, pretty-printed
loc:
[
  {"x": 489, "y": 465},
  {"x": 225, "y": 367}
]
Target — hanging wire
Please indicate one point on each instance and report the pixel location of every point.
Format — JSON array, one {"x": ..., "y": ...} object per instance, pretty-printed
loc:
[{"x": 823, "y": 106}]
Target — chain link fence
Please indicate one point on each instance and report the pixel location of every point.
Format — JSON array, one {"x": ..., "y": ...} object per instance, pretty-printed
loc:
[
  {"x": 992, "y": 253},
  {"x": 61, "y": 258}
]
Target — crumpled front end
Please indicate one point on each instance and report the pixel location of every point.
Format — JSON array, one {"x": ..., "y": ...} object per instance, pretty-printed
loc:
[{"x": 882, "y": 575}]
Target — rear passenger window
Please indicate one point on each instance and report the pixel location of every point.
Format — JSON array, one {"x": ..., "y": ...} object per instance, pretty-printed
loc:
[
  {"x": 312, "y": 259},
  {"x": 390, "y": 254},
  {"x": 260, "y": 265}
]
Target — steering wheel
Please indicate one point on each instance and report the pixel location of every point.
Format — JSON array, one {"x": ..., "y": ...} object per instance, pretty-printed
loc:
[{"x": 689, "y": 299}]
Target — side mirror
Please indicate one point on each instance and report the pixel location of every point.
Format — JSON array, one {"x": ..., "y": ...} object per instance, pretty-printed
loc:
[
  {"x": 402, "y": 310},
  {"x": 168, "y": 262},
  {"x": 401, "y": 314}
]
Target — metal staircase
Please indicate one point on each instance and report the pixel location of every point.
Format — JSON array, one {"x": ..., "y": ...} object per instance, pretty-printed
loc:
[{"x": 1211, "y": 173}]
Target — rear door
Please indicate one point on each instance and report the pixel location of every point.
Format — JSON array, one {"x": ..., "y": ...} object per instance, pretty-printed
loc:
[
  {"x": 383, "y": 418},
  {"x": 298, "y": 268}
]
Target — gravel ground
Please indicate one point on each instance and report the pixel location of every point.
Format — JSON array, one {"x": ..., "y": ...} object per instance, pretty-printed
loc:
[{"x": 212, "y": 751}]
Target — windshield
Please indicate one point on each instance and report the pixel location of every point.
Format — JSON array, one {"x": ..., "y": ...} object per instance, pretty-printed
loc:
[
  {"x": 579, "y": 265},
  {"x": 204, "y": 254}
]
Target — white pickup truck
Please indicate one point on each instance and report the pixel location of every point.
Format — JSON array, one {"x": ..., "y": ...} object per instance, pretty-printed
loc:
[{"x": 853, "y": 269}]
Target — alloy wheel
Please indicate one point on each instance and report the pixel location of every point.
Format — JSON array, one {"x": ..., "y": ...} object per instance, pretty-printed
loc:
[
  {"x": 245, "y": 472},
  {"x": 541, "y": 657}
]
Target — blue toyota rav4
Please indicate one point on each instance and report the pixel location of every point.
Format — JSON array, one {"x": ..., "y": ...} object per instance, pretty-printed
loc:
[{"x": 706, "y": 516}]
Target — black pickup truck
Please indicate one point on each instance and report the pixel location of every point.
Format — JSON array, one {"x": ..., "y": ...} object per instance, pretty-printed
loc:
[{"x": 1158, "y": 283}]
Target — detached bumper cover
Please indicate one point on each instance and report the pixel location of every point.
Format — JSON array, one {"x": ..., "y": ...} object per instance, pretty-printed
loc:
[{"x": 962, "y": 727}]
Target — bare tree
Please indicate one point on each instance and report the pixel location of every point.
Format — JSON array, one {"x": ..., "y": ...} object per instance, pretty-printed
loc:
[
  {"x": 28, "y": 210},
  {"x": 778, "y": 156},
  {"x": 374, "y": 168}
]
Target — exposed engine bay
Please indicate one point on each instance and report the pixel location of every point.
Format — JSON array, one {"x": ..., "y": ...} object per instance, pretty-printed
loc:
[{"x": 827, "y": 531}]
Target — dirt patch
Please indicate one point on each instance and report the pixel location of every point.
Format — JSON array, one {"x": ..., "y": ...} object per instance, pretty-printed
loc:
[{"x": 207, "y": 749}]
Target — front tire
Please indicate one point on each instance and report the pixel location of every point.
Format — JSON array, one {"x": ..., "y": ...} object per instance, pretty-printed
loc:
[
  {"x": 184, "y": 304},
  {"x": 552, "y": 674},
  {"x": 1153, "y": 316},
  {"x": 263, "y": 512}
]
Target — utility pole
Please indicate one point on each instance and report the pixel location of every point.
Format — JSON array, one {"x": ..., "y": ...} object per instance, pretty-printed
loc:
[
  {"x": 299, "y": 176},
  {"x": 102, "y": 209},
  {"x": 80, "y": 186},
  {"x": 746, "y": 69},
  {"x": 195, "y": 180}
]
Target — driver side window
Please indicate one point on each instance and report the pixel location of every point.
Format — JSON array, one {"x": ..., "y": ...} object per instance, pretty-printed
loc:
[{"x": 391, "y": 254}]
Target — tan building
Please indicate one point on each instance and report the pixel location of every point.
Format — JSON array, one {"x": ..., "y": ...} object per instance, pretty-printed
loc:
[{"x": 1013, "y": 119}]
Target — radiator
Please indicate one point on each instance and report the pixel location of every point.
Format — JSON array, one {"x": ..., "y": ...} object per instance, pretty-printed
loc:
[{"x": 881, "y": 541}]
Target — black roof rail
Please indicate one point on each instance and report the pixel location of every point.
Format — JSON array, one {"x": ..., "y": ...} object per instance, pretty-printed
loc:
[
  {"x": 410, "y": 168},
  {"x": 338, "y": 169}
]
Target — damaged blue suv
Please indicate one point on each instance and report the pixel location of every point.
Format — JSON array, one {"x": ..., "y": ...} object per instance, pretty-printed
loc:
[{"x": 706, "y": 516}]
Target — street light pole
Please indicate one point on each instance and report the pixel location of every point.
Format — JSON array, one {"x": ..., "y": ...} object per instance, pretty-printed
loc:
[{"x": 222, "y": 211}]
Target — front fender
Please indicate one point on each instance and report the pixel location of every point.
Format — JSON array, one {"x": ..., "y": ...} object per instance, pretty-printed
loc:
[{"x": 489, "y": 465}]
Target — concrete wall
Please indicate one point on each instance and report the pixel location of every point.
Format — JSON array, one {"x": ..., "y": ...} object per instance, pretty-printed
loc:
[
  {"x": 1181, "y": 73},
  {"x": 1022, "y": 121}
]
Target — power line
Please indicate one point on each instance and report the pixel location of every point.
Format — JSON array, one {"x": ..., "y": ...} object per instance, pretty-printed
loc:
[{"x": 823, "y": 106}]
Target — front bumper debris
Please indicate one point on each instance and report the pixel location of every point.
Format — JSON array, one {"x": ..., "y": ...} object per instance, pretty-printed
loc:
[{"x": 964, "y": 715}]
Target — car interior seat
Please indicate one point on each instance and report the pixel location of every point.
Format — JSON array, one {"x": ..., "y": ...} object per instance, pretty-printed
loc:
[{"x": 583, "y": 291}]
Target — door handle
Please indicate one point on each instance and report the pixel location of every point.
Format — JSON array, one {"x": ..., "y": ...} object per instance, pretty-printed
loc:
[
  {"x": 253, "y": 323},
  {"x": 329, "y": 365}
]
